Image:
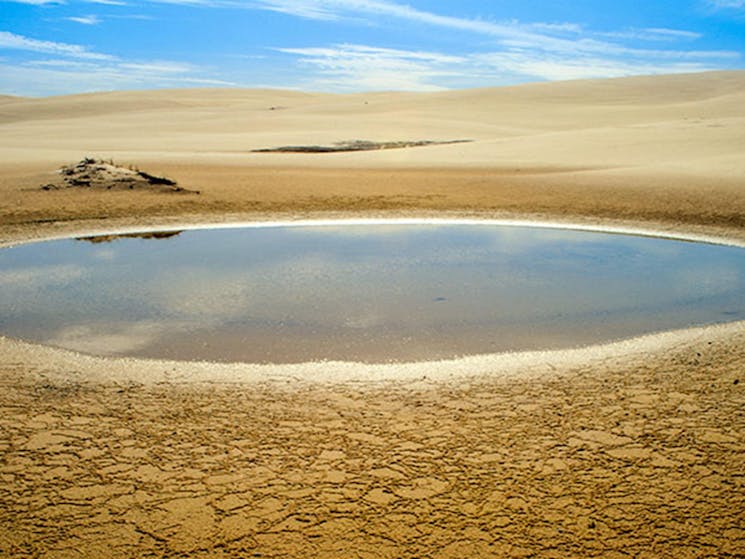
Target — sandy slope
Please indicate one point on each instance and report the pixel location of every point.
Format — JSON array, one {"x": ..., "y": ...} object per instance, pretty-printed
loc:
[
  {"x": 595, "y": 124},
  {"x": 666, "y": 149},
  {"x": 620, "y": 451}
]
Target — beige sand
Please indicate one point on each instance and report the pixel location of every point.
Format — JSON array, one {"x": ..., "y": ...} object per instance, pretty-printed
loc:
[{"x": 632, "y": 449}]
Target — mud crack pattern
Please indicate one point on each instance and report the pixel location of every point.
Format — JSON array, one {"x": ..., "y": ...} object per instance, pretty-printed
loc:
[{"x": 646, "y": 461}]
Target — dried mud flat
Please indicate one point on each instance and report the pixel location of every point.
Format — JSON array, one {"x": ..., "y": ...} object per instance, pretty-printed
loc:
[{"x": 644, "y": 460}]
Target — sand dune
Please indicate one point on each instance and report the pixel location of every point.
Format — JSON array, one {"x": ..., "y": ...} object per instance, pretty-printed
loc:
[
  {"x": 649, "y": 148},
  {"x": 647, "y": 121}
]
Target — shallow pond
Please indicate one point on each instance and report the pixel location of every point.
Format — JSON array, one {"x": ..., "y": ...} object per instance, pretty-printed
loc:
[{"x": 372, "y": 293}]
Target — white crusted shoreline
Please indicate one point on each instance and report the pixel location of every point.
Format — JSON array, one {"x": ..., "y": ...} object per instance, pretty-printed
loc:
[
  {"x": 599, "y": 227},
  {"x": 62, "y": 365},
  {"x": 529, "y": 364}
]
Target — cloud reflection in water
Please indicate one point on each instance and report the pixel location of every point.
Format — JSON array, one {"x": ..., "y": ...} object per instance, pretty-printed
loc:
[{"x": 362, "y": 292}]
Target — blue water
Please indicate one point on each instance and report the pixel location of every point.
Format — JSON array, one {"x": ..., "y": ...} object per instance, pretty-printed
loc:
[{"x": 368, "y": 293}]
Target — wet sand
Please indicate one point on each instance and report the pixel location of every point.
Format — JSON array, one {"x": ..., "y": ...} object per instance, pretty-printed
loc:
[{"x": 625, "y": 450}]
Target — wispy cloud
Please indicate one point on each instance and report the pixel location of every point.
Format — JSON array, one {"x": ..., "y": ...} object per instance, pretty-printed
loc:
[
  {"x": 566, "y": 27},
  {"x": 535, "y": 33},
  {"x": 59, "y": 77},
  {"x": 37, "y": 2},
  {"x": 19, "y": 42},
  {"x": 335, "y": 9},
  {"x": 555, "y": 67},
  {"x": 534, "y": 50},
  {"x": 85, "y": 20},
  {"x": 306, "y": 9},
  {"x": 488, "y": 52},
  {"x": 346, "y": 67},
  {"x": 653, "y": 34},
  {"x": 350, "y": 67},
  {"x": 74, "y": 68},
  {"x": 64, "y": 2}
]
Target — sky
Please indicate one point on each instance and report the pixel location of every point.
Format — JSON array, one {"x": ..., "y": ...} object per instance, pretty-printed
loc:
[{"x": 56, "y": 47}]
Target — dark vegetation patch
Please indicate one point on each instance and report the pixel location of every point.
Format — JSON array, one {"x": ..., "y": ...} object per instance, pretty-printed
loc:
[{"x": 358, "y": 145}]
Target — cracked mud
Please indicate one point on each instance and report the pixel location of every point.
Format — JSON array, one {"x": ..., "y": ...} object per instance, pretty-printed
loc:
[{"x": 644, "y": 460}]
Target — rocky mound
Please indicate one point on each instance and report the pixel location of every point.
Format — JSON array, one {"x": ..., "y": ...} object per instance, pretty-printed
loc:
[{"x": 105, "y": 175}]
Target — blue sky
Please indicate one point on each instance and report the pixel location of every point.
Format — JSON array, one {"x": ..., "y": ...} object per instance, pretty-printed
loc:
[{"x": 51, "y": 47}]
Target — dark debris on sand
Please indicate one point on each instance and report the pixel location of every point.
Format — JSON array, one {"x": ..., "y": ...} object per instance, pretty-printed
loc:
[{"x": 357, "y": 145}]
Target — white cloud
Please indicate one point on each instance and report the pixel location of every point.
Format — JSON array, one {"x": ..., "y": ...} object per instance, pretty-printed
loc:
[
  {"x": 85, "y": 20},
  {"x": 19, "y": 42},
  {"x": 532, "y": 65},
  {"x": 508, "y": 51},
  {"x": 158, "y": 67},
  {"x": 76, "y": 69},
  {"x": 205, "y": 3},
  {"x": 588, "y": 46},
  {"x": 360, "y": 67},
  {"x": 334, "y": 9},
  {"x": 355, "y": 67},
  {"x": 37, "y": 2},
  {"x": 555, "y": 27},
  {"x": 543, "y": 50},
  {"x": 64, "y": 76},
  {"x": 61, "y": 63},
  {"x": 653, "y": 34},
  {"x": 538, "y": 34},
  {"x": 663, "y": 32},
  {"x": 306, "y": 9}
]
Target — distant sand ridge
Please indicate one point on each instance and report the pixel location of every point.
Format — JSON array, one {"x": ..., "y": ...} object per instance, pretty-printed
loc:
[
  {"x": 628, "y": 450},
  {"x": 658, "y": 149}
]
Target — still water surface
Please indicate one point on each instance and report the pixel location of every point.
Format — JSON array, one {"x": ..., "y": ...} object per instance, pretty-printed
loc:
[{"x": 364, "y": 293}]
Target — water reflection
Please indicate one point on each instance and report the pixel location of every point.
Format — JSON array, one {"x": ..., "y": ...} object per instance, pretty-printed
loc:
[
  {"x": 361, "y": 292},
  {"x": 155, "y": 235}
]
